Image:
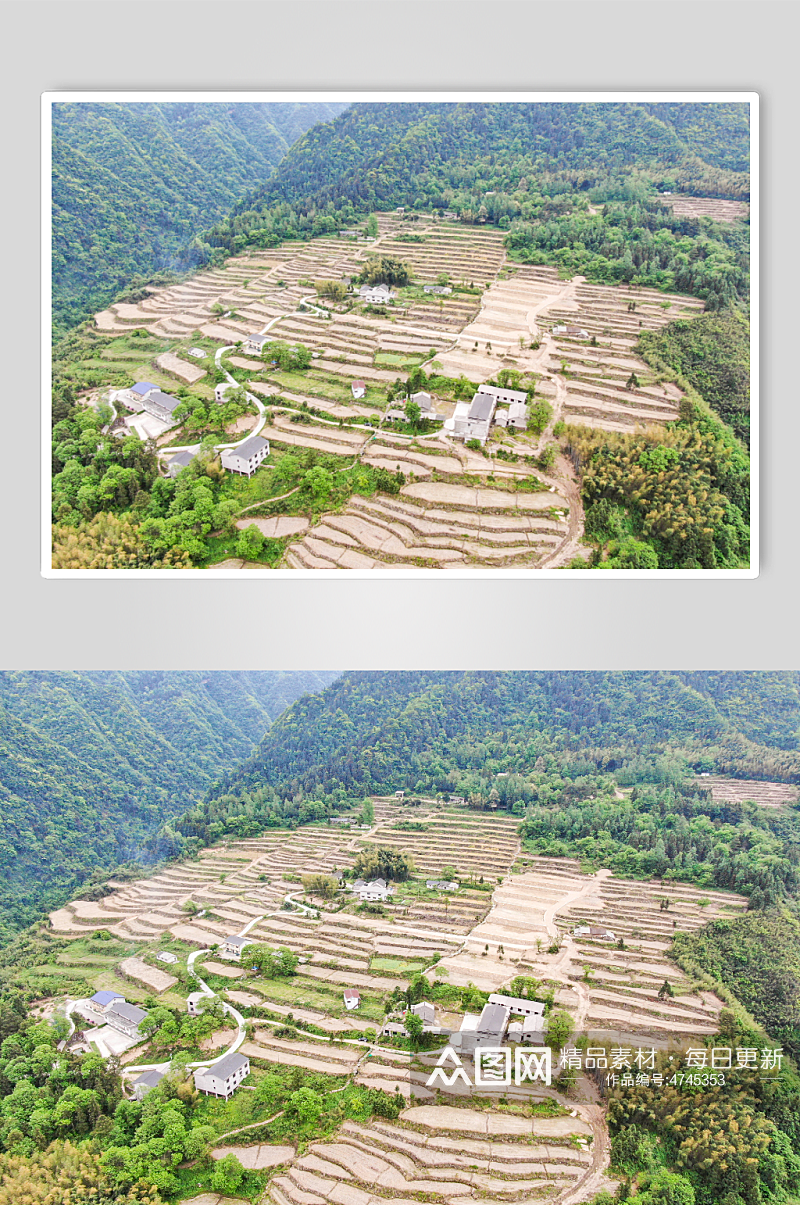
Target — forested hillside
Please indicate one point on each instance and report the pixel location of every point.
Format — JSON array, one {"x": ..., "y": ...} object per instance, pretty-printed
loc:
[
  {"x": 92, "y": 762},
  {"x": 536, "y": 170},
  {"x": 134, "y": 183}
]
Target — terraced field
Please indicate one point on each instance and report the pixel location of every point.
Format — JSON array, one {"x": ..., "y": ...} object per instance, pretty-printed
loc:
[
  {"x": 459, "y": 509},
  {"x": 610, "y": 990},
  {"x": 708, "y": 207},
  {"x": 744, "y": 790},
  {"x": 509, "y": 911}
]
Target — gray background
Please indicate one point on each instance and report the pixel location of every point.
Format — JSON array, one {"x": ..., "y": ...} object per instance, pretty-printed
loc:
[{"x": 425, "y": 624}]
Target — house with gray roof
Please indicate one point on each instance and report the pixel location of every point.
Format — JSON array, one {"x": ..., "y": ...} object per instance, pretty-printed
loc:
[
  {"x": 125, "y": 1017},
  {"x": 256, "y": 342},
  {"x": 221, "y": 390},
  {"x": 161, "y": 405},
  {"x": 224, "y": 1077},
  {"x": 147, "y": 1080},
  {"x": 476, "y": 422},
  {"x": 245, "y": 457},
  {"x": 174, "y": 467},
  {"x": 493, "y": 1022}
]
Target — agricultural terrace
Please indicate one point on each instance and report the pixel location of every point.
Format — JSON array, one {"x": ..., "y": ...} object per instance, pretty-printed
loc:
[
  {"x": 513, "y": 915},
  {"x": 708, "y": 207},
  {"x": 458, "y": 507},
  {"x": 746, "y": 790}
]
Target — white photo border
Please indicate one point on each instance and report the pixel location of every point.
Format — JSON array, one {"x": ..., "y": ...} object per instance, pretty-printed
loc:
[{"x": 350, "y": 96}]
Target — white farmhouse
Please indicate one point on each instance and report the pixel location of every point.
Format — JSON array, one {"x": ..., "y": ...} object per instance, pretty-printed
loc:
[
  {"x": 102, "y": 1001},
  {"x": 233, "y": 946},
  {"x": 246, "y": 457},
  {"x": 224, "y": 1077},
  {"x": 221, "y": 390},
  {"x": 351, "y": 998},
  {"x": 193, "y": 1003},
  {"x": 256, "y": 342},
  {"x": 518, "y": 1004},
  {"x": 378, "y": 294},
  {"x": 476, "y": 422}
]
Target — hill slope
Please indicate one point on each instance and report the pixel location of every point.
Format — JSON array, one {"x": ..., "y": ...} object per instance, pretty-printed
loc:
[
  {"x": 134, "y": 183},
  {"x": 92, "y": 762}
]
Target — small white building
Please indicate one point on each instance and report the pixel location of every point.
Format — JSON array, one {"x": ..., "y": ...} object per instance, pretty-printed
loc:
[
  {"x": 197, "y": 353},
  {"x": 358, "y": 388},
  {"x": 256, "y": 342},
  {"x": 377, "y": 294},
  {"x": 142, "y": 1085},
  {"x": 442, "y": 290},
  {"x": 166, "y": 956},
  {"x": 573, "y": 332},
  {"x": 351, "y": 998},
  {"x": 423, "y": 400},
  {"x": 374, "y": 890},
  {"x": 245, "y": 457},
  {"x": 503, "y": 395},
  {"x": 232, "y": 946},
  {"x": 224, "y": 1077},
  {"x": 441, "y": 885},
  {"x": 221, "y": 389},
  {"x": 595, "y": 932},
  {"x": 518, "y": 1004},
  {"x": 399, "y": 794},
  {"x": 193, "y": 1003}
]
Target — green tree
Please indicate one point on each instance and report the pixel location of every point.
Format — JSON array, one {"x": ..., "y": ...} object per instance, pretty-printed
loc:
[
  {"x": 250, "y": 543},
  {"x": 227, "y": 1175}
]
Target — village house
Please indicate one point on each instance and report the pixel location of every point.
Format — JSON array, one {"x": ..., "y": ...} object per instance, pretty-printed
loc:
[
  {"x": 456, "y": 799},
  {"x": 426, "y": 1012},
  {"x": 125, "y": 1017},
  {"x": 256, "y": 342},
  {"x": 193, "y": 1003},
  {"x": 374, "y": 890},
  {"x": 475, "y": 423},
  {"x": 518, "y": 1004},
  {"x": 245, "y": 457},
  {"x": 166, "y": 956},
  {"x": 493, "y": 1023},
  {"x": 351, "y": 998},
  {"x": 224, "y": 1077},
  {"x": 174, "y": 467},
  {"x": 574, "y": 332},
  {"x": 142, "y": 1085},
  {"x": 503, "y": 395},
  {"x": 233, "y": 946},
  {"x": 595, "y": 932},
  {"x": 379, "y": 294},
  {"x": 530, "y": 1031},
  {"x": 197, "y": 352},
  {"x": 441, "y": 885},
  {"x": 399, "y": 794},
  {"x": 221, "y": 389},
  {"x": 133, "y": 397},
  {"x": 440, "y": 289},
  {"x": 102, "y": 1001},
  {"x": 394, "y": 1029},
  {"x": 395, "y": 415},
  {"x": 358, "y": 388}
]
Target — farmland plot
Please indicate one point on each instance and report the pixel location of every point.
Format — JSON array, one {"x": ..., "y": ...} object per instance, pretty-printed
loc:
[{"x": 743, "y": 790}]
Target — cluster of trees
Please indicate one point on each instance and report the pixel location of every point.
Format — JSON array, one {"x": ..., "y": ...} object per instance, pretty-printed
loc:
[
  {"x": 757, "y": 957},
  {"x": 295, "y": 357},
  {"x": 198, "y": 417},
  {"x": 95, "y": 472},
  {"x": 385, "y": 270},
  {"x": 710, "y": 354},
  {"x": 680, "y": 1145},
  {"x": 642, "y": 243},
  {"x": 674, "y": 497},
  {"x": 380, "y": 862},
  {"x": 272, "y": 964},
  {"x": 674, "y": 834}
]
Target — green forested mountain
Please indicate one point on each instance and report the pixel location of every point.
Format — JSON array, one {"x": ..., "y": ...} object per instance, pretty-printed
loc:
[
  {"x": 134, "y": 183},
  {"x": 531, "y": 169},
  {"x": 92, "y": 762}
]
